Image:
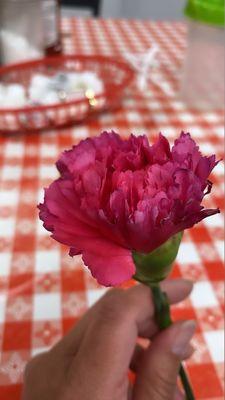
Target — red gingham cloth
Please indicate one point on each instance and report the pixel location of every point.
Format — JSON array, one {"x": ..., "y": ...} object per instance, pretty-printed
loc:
[{"x": 42, "y": 290}]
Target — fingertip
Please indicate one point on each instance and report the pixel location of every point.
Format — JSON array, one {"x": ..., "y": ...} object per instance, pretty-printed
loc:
[
  {"x": 178, "y": 395},
  {"x": 186, "y": 286},
  {"x": 190, "y": 351},
  {"x": 178, "y": 282},
  {"x": 176, "y": 339},
  {"x": 177, "y": 289},
  {"x": 188, "y": 283}
]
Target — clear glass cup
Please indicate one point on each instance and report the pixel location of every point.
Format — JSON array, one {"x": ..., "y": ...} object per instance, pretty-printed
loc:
[
  {"x": 202, "y": 83},
  {"x": 21, "y": 30}
]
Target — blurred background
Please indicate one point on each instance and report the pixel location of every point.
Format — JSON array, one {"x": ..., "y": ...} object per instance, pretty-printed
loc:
[
  {"x": 38, "y": 33},
  {"x": 141, "y": 66},
  {"x": 125, "y": 8}
]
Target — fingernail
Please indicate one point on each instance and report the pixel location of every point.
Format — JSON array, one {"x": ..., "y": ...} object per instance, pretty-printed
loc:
[
  {"x": 179, "y": 395},
  {"x": 190, "y": 351},
  {"x": 183, "y": 337}
]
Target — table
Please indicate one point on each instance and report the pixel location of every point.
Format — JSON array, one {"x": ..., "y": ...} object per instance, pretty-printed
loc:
[{"x": 43, "y": 292}]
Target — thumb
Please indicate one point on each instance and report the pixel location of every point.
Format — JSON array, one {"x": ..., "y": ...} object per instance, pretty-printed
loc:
[{"x": 159, "y": 367}]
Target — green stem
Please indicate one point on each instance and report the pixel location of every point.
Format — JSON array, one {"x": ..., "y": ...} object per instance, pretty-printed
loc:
[
  {"x": 163, "y": 318},
  {"x": 186, "y": 384}
]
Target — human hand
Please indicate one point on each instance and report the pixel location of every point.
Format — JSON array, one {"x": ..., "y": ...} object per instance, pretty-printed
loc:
[{"x": 92, "y": 361}]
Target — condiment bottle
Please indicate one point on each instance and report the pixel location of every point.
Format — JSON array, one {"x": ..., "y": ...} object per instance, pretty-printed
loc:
[
  {"x": 29, "y": 29},
  {"x": 202, "y": 84}
]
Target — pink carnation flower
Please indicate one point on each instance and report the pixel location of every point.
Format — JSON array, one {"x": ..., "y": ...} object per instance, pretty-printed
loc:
[{"x": 116, "y": 196}]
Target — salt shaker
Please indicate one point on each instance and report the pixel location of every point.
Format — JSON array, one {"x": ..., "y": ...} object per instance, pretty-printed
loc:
[
  {"x": 21, "y": 33},
  {"x": 202, "y": 84},
  {"x": 29, "y": 29}
]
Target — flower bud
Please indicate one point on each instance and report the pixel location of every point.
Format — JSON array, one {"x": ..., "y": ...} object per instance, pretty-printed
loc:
[{"x": 156, "y": 266}]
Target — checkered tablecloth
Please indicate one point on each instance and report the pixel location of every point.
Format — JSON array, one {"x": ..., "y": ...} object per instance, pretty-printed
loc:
[{"x": 42, "y": 290}]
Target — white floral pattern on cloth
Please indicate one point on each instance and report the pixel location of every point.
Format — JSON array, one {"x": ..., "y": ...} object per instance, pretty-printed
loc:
[
  {"x": 207, "y": 252},
  {"x": 13, "y": 367},
  {"x": 48, "y": 282},
  {"x": 201, "y": 354},
  {"x": 22, "y": 262},
  {"x": 25, "y": 226},
  {"x": 19, "y": 308},
  {"x": 74, "y": 304},
  {"x": 194, "y": 272},
  {"x": 28, "y": 196},
  {"x": 46, "y": 334},
  {"x": 211, "y": 319}
]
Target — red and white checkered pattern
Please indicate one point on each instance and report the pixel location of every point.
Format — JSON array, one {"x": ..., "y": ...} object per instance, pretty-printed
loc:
[{"x": 42, "y": 290}]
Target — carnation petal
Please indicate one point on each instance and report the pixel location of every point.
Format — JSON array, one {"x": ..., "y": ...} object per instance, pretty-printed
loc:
[
  {"x": 109, "y": 268},
  {"x": 186, "y": 152},
  {"x": 161, "y": 150},
  {"x": 204, "y": 167},
  {"x": 194, "y": 218}
]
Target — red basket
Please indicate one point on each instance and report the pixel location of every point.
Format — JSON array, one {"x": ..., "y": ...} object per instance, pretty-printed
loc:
[{"x": 116, "y": 75}]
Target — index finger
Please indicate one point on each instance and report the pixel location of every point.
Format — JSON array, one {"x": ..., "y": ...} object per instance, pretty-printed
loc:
[
  {"x": 138, "y": 300},
  {"x": 135, "y": 303},
  {"x": 113, "y": 327}
]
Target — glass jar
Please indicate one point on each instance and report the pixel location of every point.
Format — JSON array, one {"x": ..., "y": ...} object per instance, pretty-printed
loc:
[
  {"x": 29, "y": 29},
  {"x": 21, "y": 33},
  {"x": 202, "y": 84}
]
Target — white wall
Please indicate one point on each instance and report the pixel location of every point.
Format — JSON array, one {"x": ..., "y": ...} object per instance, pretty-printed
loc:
[
  {"x": 147, "y": 9},
  {"x": 111, "y": 8}
]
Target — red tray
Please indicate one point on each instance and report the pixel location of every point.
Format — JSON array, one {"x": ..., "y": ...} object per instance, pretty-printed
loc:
[{"x": 116, "y": 75}]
